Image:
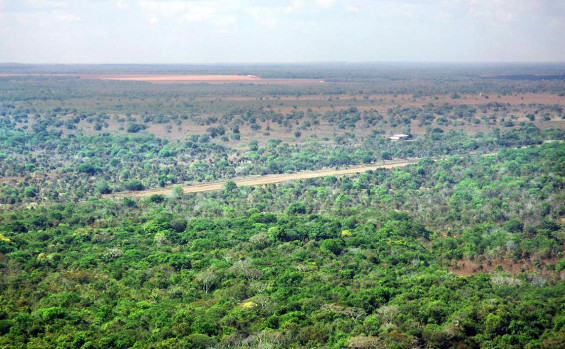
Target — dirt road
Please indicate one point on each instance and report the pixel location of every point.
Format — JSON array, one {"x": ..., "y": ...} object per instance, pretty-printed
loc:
[{"x": 260, "y": 180}]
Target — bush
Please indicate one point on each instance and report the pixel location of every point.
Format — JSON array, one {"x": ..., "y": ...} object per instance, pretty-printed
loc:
[
  {"x": 134, "y": 185},
  {"x": 156, "y": 198},
  {"x": 263, "y": 217},
  {"x": 253, "y": 145},
  {"x": 199, "y": 341},
  {"x": 334, "y": 246},
  {"x": 178, "y": 225},
  {"x": 134, "y": 128},
  {"x": 296, "y": 208},
  {"x": 514, "y": 225},
  {"x": 30, "y": 191},
  {"x": 5, "y": 326},
  {"x": 88, "y": 168},
  {"x": 103, "y": 188}
]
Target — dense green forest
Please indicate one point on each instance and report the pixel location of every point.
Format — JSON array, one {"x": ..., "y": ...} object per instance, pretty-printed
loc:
[
  {"x": 343, "y": 262},
  {"x": 464, "y": 248}
]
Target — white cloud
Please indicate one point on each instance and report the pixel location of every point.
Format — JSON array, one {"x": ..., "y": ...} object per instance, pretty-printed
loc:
[
  {"x": 352, "y": 9},
  {"x": 188, "y": 11},
  {"x": 41, "y": 11},
  {"x": 272, "y": 15},
  {"x": 295, "y": 5},
  {"x": 121, "y": 4},
  {"x": 46, "y": 13},
  {"x": 45, "y": 3},
  {"x": 498, "y": 12},
  {"x": 325, "y": 3},
  {"x": 265, "y": 16},
  {"x": 225, "y": 12},
  {"x": 281, "y": 30},
  {"x": 65, "y": 16}
]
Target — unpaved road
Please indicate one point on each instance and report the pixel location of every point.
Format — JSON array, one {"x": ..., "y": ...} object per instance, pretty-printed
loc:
[{"x": 260, "y": 180}]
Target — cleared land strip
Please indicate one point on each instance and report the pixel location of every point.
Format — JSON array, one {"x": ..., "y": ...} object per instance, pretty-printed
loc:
[
  {"x": 181, "y": 78},
  {"x": 260, "y": 180}
]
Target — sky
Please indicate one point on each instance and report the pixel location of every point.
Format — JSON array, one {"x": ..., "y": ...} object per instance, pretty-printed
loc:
[{"x": 281, "y": 31}]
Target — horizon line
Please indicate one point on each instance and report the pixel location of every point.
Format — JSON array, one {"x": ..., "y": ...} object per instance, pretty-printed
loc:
[{"x": 293, "y": 63}]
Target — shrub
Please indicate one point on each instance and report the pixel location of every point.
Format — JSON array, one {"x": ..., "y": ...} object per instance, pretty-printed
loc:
[
  {"x": 134, "y": 128},
  {"x": 134, "y": 185},
  {"x": 334, "y": 246}
]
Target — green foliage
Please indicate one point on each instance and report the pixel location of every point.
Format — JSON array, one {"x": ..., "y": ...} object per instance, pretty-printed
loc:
[
  {"x": 296, "y": 208},
  {"x": 334, "y": 246},
  {"x": 103, "y": 188},
  {"x": 88, "y": 168},
  {"x": 253, "y": 145},
  {"x": 155, "y": 198},
  {"x": 263, "y": 217},
  {"x": 178, "y": 224},
  {"x": 134, "y": 128},
  {"x": 514, "y": 225},
  {"x": 463, "y": 252},
  {"x": 134, "y": 185},
  {"x": 30, "y": 191},
  {"x": 204, "y": 281}
]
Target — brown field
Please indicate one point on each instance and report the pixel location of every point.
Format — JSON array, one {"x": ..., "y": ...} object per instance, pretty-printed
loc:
[
  {"x": 186, "y": 79},
  {"x": 181, "y": 78},
  {"x": 261, "y": 180},
  {"x": 217, "y": 79}
]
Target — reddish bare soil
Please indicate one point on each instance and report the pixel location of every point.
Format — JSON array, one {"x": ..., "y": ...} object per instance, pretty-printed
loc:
[
  {"x": 218, "y": 79},
  {"x": 180, "y": 78},
  {"x": 467, "y": 267},
  {"x": 187, "y": 79}
]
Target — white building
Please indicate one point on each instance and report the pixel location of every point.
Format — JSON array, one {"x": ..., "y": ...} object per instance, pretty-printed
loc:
[{"x": 399, "y": 137}]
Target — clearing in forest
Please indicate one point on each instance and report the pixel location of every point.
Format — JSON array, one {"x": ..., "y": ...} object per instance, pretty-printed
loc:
[{"x": 261, "y": 180}]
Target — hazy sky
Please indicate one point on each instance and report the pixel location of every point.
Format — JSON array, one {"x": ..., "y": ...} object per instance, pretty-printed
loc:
[{"x": 248, "y": 31}]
